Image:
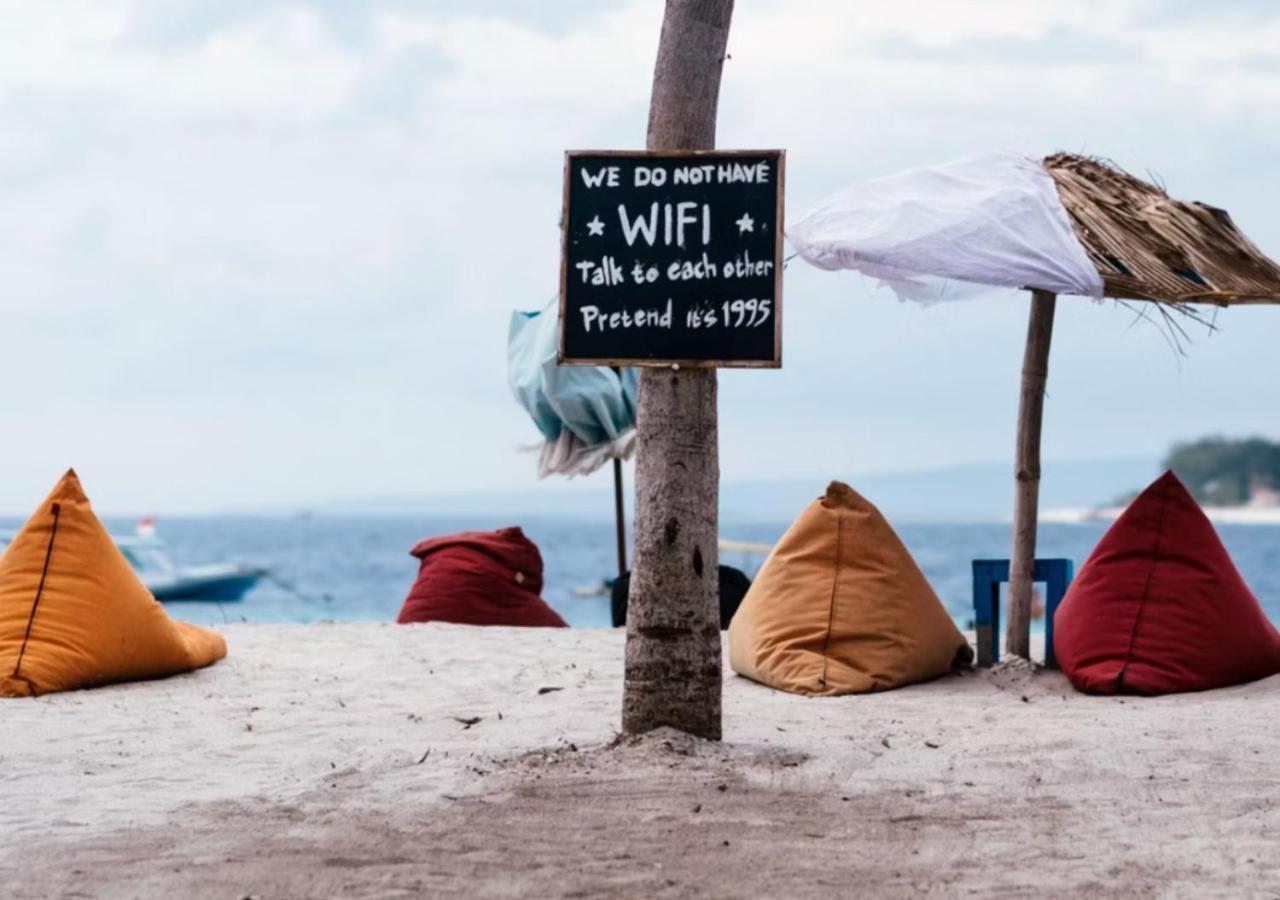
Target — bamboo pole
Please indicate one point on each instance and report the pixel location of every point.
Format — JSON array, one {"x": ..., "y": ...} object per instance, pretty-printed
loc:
[
  {"x": 1035, "y": 372},
  {"x": 672, "y": 670}
]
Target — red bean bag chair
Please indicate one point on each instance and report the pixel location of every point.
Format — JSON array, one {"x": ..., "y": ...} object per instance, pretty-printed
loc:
[
  {"x": 1159, "y": 608},
  {"x": 479, "y": 578}
]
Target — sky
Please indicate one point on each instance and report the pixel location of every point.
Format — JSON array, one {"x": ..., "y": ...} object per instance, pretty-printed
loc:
[{"x": 261, "y": 254}]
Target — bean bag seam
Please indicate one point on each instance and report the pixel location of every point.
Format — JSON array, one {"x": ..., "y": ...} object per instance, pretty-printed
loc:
[
  {"x": 1146, "y": 591},
  {"x": 831, "y": 605},
  {"x": 35, "y": 604}
]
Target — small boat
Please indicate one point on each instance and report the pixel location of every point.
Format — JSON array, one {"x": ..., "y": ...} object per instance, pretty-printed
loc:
[{"x": 213, "y": 582}]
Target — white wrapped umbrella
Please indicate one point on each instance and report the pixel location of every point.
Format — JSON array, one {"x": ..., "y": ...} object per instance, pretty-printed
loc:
[{"x": 986, "y": 221}]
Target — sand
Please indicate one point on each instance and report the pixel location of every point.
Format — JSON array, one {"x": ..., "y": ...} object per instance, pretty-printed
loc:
[{"x": 381, "y": 760}]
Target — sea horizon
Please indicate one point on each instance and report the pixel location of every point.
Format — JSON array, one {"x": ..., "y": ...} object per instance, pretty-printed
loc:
[{"x": 340, "y": 567}]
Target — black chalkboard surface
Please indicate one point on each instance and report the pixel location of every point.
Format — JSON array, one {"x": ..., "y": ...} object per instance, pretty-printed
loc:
[{"x": 672, "y": 258}]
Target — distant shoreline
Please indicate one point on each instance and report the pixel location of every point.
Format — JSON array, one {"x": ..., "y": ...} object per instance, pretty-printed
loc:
[{"x": 1223, "y": 515}]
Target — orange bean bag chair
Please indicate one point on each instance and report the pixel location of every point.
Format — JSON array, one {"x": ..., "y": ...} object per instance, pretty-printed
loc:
[
  {"x": 73, "y": 613},
  {"x": 840, "y": 607},
  {"x": 479, "y": 578},
  {"x": 1159, "y": 607}
]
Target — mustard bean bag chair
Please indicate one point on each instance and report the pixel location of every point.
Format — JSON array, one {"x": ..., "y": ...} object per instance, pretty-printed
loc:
[
  {"x": 73, "y": 613},
  {"x": 840, "y": 607}
]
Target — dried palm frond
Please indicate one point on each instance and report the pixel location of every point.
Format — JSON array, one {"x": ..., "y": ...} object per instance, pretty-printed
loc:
[{"x": 1149, "y": 246}]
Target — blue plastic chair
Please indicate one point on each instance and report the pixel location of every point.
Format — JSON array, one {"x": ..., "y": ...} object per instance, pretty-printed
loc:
[{"x": 1056, "y": 574}]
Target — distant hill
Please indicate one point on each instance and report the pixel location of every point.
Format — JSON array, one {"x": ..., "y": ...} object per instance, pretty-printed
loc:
[
  {"x": 968, "y": 493},
  {"x": 1222, "y": 471}
]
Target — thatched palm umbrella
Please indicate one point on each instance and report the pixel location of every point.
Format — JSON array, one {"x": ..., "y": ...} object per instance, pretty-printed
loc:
[{"x": 1098, "y": 231}]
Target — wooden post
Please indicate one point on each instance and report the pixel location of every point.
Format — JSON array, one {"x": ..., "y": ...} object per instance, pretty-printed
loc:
[
  {"x": 619, "y": 517},
  {"x": 1035, "y": 372},
  {"x": 673, "y": 654},
  {"x": 619, "y": 507}
]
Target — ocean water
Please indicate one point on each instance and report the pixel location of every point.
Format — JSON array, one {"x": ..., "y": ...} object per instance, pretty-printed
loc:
[{"x": 359, "y": 569}]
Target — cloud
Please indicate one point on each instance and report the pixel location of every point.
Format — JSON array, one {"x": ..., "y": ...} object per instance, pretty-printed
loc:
[{"x": 276, "y": 242}]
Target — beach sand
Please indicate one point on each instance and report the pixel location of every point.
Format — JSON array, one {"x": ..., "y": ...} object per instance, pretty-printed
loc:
[{"x": 382, "y": 760}]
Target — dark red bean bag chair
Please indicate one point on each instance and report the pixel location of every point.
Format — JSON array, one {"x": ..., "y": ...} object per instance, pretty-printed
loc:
[
  {"x": 1159, "y": 607},
  {"x": 479, "y": 578}
]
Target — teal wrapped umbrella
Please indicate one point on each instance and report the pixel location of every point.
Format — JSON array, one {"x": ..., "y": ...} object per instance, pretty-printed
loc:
[{"x": 586, "y": 414}]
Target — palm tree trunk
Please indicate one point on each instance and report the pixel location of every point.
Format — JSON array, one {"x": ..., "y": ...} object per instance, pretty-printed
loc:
[{"x": 673, "y": 655}]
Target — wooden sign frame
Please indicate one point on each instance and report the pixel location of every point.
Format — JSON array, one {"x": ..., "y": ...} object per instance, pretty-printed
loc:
[{"x": 776, "y": 361}]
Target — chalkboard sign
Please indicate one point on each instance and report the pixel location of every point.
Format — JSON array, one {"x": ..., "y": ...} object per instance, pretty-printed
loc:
[{"x": 672, "y": 257}]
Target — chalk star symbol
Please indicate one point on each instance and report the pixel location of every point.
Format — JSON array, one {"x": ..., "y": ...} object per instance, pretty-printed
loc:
[
  {"x": 746, "y": 223},
  {"x": 595, "y": 227}
]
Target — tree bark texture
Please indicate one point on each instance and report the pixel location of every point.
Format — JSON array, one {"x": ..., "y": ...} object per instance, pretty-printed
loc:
[
  {"x": 1035, "y": 372},
  {"x": 673, "y": 654}
]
